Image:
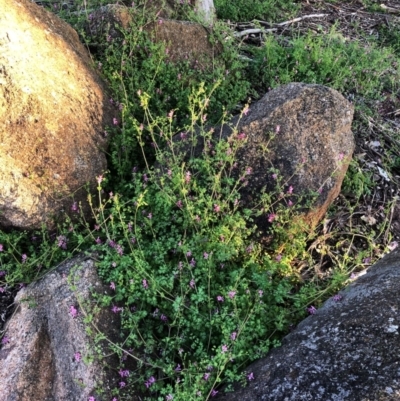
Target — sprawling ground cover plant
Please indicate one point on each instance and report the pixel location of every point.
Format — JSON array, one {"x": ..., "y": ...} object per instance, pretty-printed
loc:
[{"x": 199, "y": 298}]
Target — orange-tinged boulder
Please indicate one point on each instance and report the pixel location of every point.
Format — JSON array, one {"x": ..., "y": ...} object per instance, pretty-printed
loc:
[{"x": 53, "y": 113}]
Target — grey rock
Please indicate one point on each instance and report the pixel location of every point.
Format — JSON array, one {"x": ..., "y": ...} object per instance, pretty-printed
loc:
[
  {"x": 311, "y": 150},
  {"x": 38, "y": 362},
  {"x": 348, "y": 351}
]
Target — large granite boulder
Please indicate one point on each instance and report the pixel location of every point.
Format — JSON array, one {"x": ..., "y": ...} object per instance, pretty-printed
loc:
[
  {"x": 347, "y": 351},
  {"x": 47, "y": 353},
  {"x": 53, "y": 112},
  {"x": 184, "y": 40},
  {"x": 303, "y": 132}
]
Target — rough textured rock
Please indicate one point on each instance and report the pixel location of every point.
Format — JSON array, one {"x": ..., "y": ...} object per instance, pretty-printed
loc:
[
  {"x": 184, "y": 40},
  {"x": 38, "y": 361},
  {"x": 53, "y": 110},
  {"x": 311, "y": 151},
  {"x": 348, "y": 351}
]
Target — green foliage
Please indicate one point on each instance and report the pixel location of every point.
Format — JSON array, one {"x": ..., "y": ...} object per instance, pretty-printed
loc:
[
  {"x": 389, "y": 36},
  {"x": 134, "y": 64},
  {"x": 242, "y": 10},
  {"x": 357, "y": 182},
  {"x": 195, "y": 289},
  {"x": 329, "y": 60}
]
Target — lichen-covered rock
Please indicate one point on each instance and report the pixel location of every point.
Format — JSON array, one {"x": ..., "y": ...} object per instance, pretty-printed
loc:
[
  {"x": 304, "y": 132},
  {"x": 53, "y": 111},
  {"x": 39, "y": 359},
  {"x": 347, "y": 351}
]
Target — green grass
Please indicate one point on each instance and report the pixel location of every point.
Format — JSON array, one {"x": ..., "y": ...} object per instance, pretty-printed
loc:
[{"x": 266, "y": 10}]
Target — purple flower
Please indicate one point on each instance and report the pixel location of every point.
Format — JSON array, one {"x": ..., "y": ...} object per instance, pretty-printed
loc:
[
  {"x": 75, "y": 207},
  {"x": 2, "y": 289},
  {"x": 277, "y": 129},
  {"x": 241, "y": 136},
  {"x": 233, "y": 336},
  {"x": 290, "y": 190},
  {"x": 290, "y": 203},
  {"x": 73, "y": 311},
  {"x": 205, "y": 255},
  {"x": 340, "y": 156},
  {"x": 163, "y": 318},
  {"x": 99, "y": 179},
  {"x": 62, "y": 242},
  {"x": 337, "y": 297},
  {"x": 192, "y": 283},
  {"x": 77, "y": 356},
  {"x": 1, "y": 248},
  {"x": 2, "y": 273},
  {"x": 187, "y": 177},
  {"x": 144, "y": 283},
  {"x": 169, "y": 397},
  {"x": 220, "y": 298},
  {"x": 115, "y": 121},
  {"x": 120, "y": 250},
  {"x": 271, "y": 217},
  {"x": 224, "y": 348},
  {"x": 98, "y": 241},
  {"x": 124, "y": 373},
  {"x": 214, "y": 393},
  {"x": 24, "y": 257},
  {"x": 150, "y": 381},
  {"x": 116, "y": 309},
  {"x": 178, "y": 368},
  {"x": 122, "y": 384},
  {"x": 231, "y": 294},
  {"x": 179, "y": 204},
  {"x": 5, "y": 340},
  {"x": 217, "y": 208},
  {"x": 206, "y": 376},
  {"x": 112, "y": 285},
  {"x": 188, "y": 254},
  {"x": 278, "y": 257},
  {"x": 250, "y": 376},
  {"x": 150, "y": 216},
  {"x": 311, "y": 310},
  {"x": 192, "y": 263},
  {"x": 91, "y": 398}
]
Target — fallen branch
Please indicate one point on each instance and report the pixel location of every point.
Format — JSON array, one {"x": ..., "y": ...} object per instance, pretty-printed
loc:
[
  {"x": 292, "y": 21},
  {"x": 280, "y": 24},
  {"x": 255, "y": 30},
  {"x": 390, "y": 9}
]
